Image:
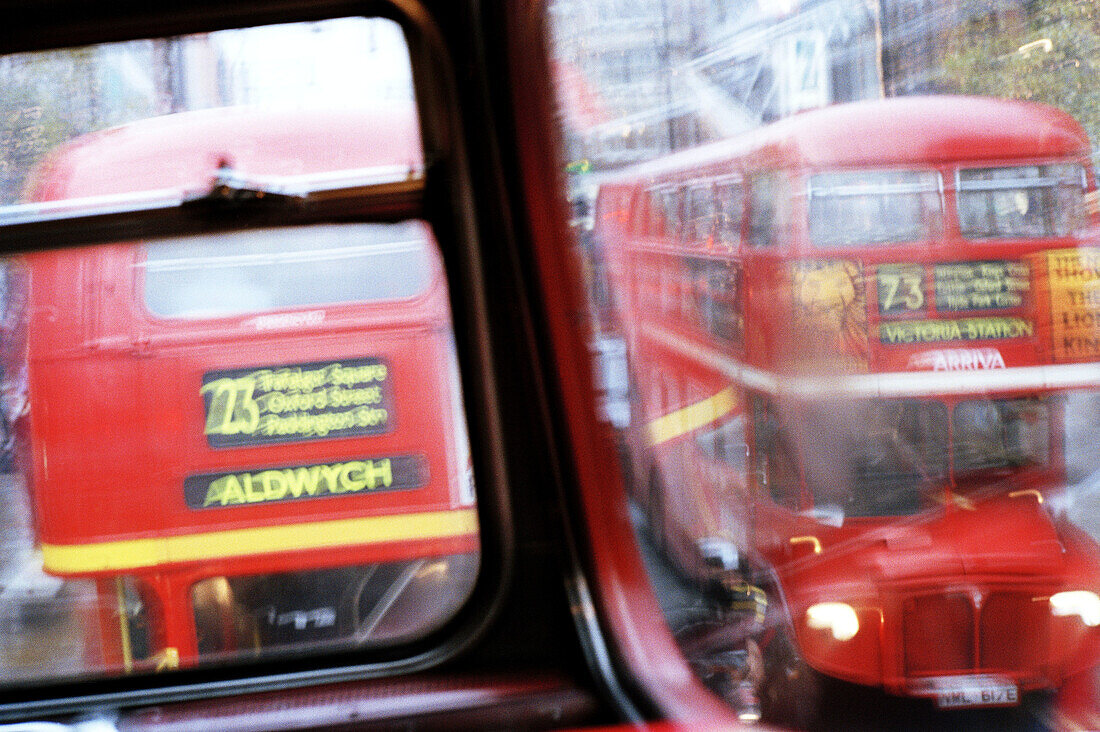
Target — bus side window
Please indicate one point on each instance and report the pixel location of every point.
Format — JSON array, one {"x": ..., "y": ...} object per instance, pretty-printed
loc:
[
  {"x": 659, "y": 216},
  {"x": 731, "y": 209},
  {"x": 724, "y": 317},
  {"x": 680, "y": 204},
  {"x": 699, "y": 213},
  {"x": 768, "y": 209},
  {"x": 712, "y": 296},
  {"x": 687, "y": 225}
]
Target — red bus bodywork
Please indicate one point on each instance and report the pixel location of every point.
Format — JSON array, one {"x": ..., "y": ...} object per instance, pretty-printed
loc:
[
  {"x": 280, "y": 445},
  {"x": 745, "y": 332}
]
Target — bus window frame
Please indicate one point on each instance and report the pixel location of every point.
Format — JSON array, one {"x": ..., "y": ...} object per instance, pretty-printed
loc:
[
  {"x": 731, "y": 184},
  {"x": 442, "y": 197},
  {"x": 771, "y": 232},
  {"x": 637, "y": 659}
]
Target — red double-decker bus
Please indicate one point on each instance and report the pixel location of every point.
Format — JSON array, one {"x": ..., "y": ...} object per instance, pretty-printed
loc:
[
  {"x": 852, "y": 336},
  {"x": 253, "y": 441}
]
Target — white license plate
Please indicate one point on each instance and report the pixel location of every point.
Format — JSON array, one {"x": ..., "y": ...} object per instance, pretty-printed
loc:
[{"x": 956, "y": 692}]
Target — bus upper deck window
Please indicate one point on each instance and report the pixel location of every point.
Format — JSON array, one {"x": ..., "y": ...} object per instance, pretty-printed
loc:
[
  {"x": 874, "y": 207},
  {"x": 731, "y": 206},
  {"x": 769, "y": 208},
  {"x": 700, "y": 214},
  {"x": 1024, "y": 202}
]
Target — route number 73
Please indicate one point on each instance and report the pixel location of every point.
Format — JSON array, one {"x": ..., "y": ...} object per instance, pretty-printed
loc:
[{"x": 900, "y": 289}]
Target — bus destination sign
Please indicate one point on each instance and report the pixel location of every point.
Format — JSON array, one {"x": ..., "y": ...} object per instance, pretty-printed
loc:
[
  {"x": 302, "y": 482},
  {"x": 297, "y": 403}
]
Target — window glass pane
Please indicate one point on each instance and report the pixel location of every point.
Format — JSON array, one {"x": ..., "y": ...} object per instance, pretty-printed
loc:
[
  {"x": 231, "y": 446},
  {"x": 1021, "y": 202},
  {"x": 899, "y": 458},
  {"x": 668, "y": 204},
  {"x": 274, "y": 269},
  {"x": 1001, "y": 434},
  {"x": 874, "y": 207},
  {"x": 860, "y": 456},
  {"x": 766, "y": 209},
  {"x": 51, "y": 98},
  {"x": 731, "y": 210},
  {"x": 725, "y": 442},
  {"x": 701, "y": 213}
]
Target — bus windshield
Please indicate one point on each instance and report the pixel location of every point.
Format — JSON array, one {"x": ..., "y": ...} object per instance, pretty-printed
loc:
[
  {"x": 874, "y": 207},
  {"x": 899, "y": 455},
  {"x": 899, "y": 458},
  {"x": 1000, "y": 434},
  {"x": 1021, "y": 202}
]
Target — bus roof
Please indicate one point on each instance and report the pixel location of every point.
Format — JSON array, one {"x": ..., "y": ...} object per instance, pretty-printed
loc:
[
  {"x": 184, "y": 151},
  {"x": 895, "y": 131}
]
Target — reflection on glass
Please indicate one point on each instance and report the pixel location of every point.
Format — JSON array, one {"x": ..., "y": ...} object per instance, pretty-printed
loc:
[
  {"x": 49, "y": 98},
  {"x": 367, "y": 605},
  {"x": 1001, "y": 434},
  {"x": 874, "y": 402}
]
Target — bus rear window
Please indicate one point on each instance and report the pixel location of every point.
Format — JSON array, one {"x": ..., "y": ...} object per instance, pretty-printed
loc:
[
  {"x": 874, "y": 207},
  {"x": 274, "y": 269},
  {"x": 1028, "y": 201}
]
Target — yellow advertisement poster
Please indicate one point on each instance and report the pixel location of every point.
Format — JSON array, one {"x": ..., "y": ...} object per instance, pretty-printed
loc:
[
  {"x": 1073, "y": 277},
  {"x": 830, "y": 298}
]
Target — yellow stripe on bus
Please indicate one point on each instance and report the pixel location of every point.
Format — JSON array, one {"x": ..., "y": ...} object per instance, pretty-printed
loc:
[
  {"x": 138, "y": 553},
  {"x": 692, "y": 417}
]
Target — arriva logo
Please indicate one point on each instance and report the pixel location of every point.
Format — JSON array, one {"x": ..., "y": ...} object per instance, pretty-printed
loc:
[{"x": 958, "y": 359}]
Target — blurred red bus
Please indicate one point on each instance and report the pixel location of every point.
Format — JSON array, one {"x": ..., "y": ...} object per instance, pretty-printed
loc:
[
  {"x": 850, "y": 336},
  {"x": 262, "y": 443}
]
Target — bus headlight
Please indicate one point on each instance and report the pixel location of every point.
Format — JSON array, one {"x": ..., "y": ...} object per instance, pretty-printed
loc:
[
  {"x": 1081, "y": 603},
  {"x": 836, "y": 617}
]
